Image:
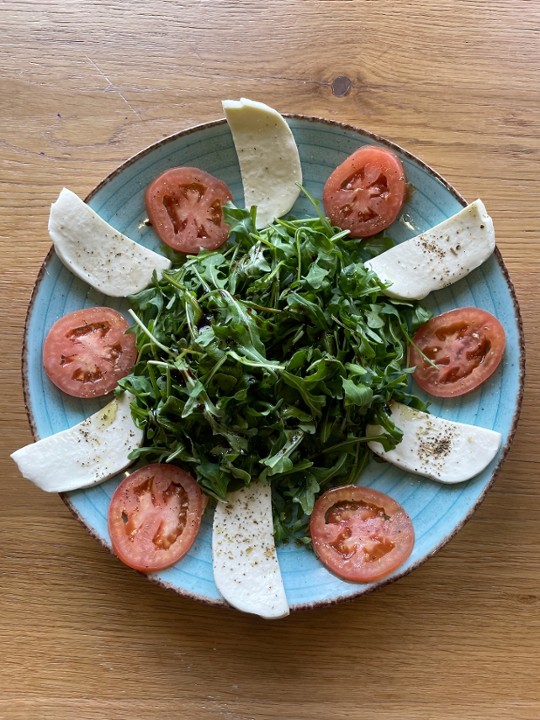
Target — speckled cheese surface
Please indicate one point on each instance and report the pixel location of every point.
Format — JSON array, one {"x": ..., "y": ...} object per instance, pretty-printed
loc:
[
  {"x": 439, "y": 257},
  {"x": 436, "y": 448},
  {"x": 97, "y": 253}
]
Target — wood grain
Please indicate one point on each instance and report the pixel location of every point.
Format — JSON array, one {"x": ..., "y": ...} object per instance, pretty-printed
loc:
[{"x": 84, "y": 85}]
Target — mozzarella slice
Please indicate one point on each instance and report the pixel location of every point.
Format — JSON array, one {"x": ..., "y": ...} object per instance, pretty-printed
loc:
[
  {"x": 440, "y": 449},
  {"x": 246, "y": 568},
  {"x": 438, "y": 257},
  {"x": 85, "y": 454},
  {"x": 268, "y": 156},
  {"x": 97, "y": 253}
]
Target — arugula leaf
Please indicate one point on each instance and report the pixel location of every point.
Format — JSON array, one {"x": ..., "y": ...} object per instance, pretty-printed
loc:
[{"x": 267, "y": 358}]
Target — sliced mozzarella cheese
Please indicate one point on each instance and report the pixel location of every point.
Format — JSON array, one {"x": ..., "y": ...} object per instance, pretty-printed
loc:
[
  {"x": 97, "y": 253},
  {"x": 246, "y": 568},
  {"x": 442, "y": 450},
  {"x": 438, "y": 257},
  {"x": 85, "y": 454},
  {"x": 268, "y": 156}
]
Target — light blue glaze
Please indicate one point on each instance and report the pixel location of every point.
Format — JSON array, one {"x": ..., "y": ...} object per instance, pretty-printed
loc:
[{"x": 437, "y": 511}]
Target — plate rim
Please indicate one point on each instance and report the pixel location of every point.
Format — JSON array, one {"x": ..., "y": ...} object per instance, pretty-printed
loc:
[{"x": 376, "y": 138}]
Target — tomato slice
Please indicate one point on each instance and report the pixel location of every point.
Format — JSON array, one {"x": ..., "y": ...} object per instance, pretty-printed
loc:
[
  {"x": 154, "y": 516},
  {"x": 185, "y": 207},
  {"x": 366, "y": 192},
  {"x": 360, "y": 534},
  {"x": 466, "y": 345},
  {"x": 87, "y": 351}
]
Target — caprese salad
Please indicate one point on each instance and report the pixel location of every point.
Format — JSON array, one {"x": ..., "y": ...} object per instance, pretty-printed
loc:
[{"x": 265, "y": 365}]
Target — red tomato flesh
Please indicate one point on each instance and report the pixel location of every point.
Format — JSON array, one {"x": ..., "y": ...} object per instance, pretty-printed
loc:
[
  {"x": 87, "y": 351},
  {"x": 466, "y": 345},
  {"x": 360, "y": 534},
  {"x": 154, "y": 516},
  {"x": 366, "y": 192},
  {"x": 185, "y": 207}
]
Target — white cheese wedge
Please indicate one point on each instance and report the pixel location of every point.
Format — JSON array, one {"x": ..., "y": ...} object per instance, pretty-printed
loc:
[
  {"x": 438, "y": 257},
  {"x": 440, "y": 449},
  {"x": 246, "y": 568},
  {"x": 268, "y": 156},
  {"x": 85, "y": 454},
  {"x": 97, "y": 253}
]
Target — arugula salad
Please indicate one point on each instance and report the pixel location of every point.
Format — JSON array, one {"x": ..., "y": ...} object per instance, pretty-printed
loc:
[{"x": 267, "y": 358}]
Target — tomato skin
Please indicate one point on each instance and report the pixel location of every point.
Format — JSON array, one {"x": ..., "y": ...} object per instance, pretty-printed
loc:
[
  {"x": 366, "y": 192},
  {"x": 467, "y": 344},
  {"x": 360, "y": 534},
  {"x": 154, "y": 516},
  {"x": 87, "y": 351},
  {"x": 185, "y": 207}
]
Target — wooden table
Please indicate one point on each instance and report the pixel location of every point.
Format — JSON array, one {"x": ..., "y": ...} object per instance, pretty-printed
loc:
[{"x": 84, "y": 85}]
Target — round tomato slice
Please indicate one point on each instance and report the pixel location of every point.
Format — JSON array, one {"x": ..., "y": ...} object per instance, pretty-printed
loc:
[
  {"x": 465, "y": 347},
  {"x": 154, "y": 516},
  {"x": 185, "y": 207},
  {"x": 360, "y": 534},
  {"x": 87, "y": 351},
  {"x": 366, "y": 192}
]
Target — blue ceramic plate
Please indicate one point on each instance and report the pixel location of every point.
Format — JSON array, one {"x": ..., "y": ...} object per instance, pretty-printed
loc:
[{"x": 437, "y": 511}]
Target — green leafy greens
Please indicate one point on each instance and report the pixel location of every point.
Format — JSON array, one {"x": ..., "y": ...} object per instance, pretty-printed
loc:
[{"x": 266, "y": 359}]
